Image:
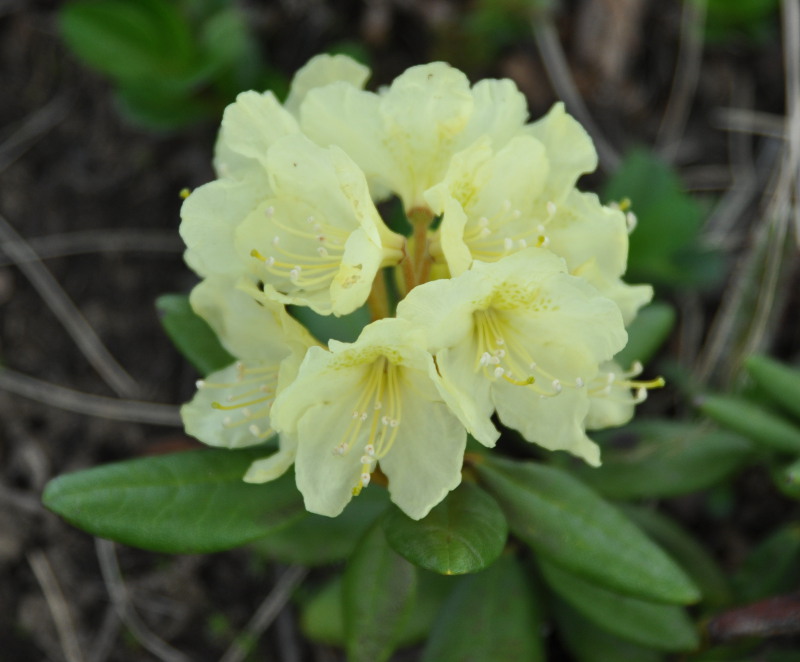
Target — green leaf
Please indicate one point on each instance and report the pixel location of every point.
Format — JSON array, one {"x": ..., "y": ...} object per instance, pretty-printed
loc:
[
  {"x": 465, "y": 533},
  {"x": 491, "y": 615},
  {"x": 647, "y": 333},
  {"x": 317, "y": 540},
  {"x": 324, "y": 327},
  {"x": 185, "y": 503},
  {"x": 663, "y": 247},
  {"x": 378, "y": 597},
  {"x": 128, "y": 39},
  {"x": 787, "y": 480},
  {"x": 753, "y": 421},
  {"x": 591, "y": 643},
  {"x": 190, "y": 333},
  {"x": 322, "y": 619},
  {"x": 669, "y": 459},
  {"x": 685, "y": 550},
  {"x": 660, "y": 626},
  {"x": 569, "y": 524},
  {"x": 772, "y": 567},
  {"x": 779, "y": 381}
]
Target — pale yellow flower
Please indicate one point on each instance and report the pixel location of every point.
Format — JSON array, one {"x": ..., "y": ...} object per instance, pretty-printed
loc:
[
  {"x": 309, "y": 236},
  {"x": 232, "y": 406},
  {"x": 372, "y": 402},
  {"x": 404, "y": 136},
  {"x": 523, "y": 337}
]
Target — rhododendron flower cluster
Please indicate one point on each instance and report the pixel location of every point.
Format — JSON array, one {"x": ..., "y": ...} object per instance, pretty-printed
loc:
[{"x": 504, "y": 297}]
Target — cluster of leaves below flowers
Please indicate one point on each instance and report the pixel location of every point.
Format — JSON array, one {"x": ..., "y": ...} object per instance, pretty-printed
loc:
[{"x": 509, "y": 287}]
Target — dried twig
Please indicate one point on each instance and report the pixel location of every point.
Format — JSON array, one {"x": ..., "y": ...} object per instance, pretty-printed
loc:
[
  {"x": 265, "y": 614},
  {"x": 63, "y": 308},
  {"x": 96, "y": 241},
  {"x": 35, "y": 127},
  {"x": 684, "y": 83},
  {"x": 555, "y": 63},
  {"x": 115, "y": 585},
  {"x": 59, "y": 608},
  {"x": 132, "y": 411}
]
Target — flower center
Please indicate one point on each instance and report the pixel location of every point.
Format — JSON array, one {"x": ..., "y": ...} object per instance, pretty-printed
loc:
[
  {"x": 501, "y": 354},
  {"x": 306, "y": 257},
  {"x": 375, "y": 419},
  {"x": 254, "y": 391},
  {"x": 492, "y": 237}
]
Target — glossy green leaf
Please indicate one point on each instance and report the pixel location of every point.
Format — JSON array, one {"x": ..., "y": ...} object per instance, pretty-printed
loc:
[
  {"x": 781, "y": 382},
  {"x": 666, "y": 459},
  {"x": 491, "y": 615},
  {"x": 378, "y": 597},
  {"x": 571, "y": 525},
  {"x": 590, "y": 643},
  {"x": 753, "y": 421},
  {"x": 183, "y": 503},
  {"x": 465, "y": 533},
  {"x": 322, "y": 619},
  {"x": 190, "y": 333},
  {"x": 317, "y": 540},
  {"x": 685, "y": 550},
  {"x": 660, "y": 626},
  {"x": 647, "y": 333},
  {"x": 128, "y": 39},
  {"x": 772, "y": 567}
]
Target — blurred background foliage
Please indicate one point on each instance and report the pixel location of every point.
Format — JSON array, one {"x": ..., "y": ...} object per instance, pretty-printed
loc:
[{"x": 690, "y": 106}]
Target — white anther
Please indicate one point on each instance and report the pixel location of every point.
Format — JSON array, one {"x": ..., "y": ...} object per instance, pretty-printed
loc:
[
  {"x": 294, "y": 274},
  {"x": 522, "y": 243},
  {"x": 369, "y": 449},
  {"x": 270, "y": 261},
  {"x": 310, "y": 220},
  {"x": 641, "y": 394},
  {"x": 394, "y": 423},
  {"x": 485, "y": 358},
  {"x": 322, "y": 251},
  {"x": 485, "y": 233},
  {"x": 610, "y": 377},
  {"x": 364, "y": 416},
  {"x": 498, "y": 372},
  {"x": 499, "y": 341},
  {"x": 540, "y": 229},
  {"x": 545, "y": 242},
  {"x": 339, "y": 450},
  {"x": 494, "y": 360},
  {"x": 356, "y": 413},
  {"x": 227, "y": 420},
  {"x": 276, "y": 240},
  {"x": 254, "y": 430},
  {"x": 200, "y": 383},
  {"x": 269, "y": 211},
  {"x": 499, "y": 353},
  {"x": 508, "y": 242},
  {"x": 378, "y": 405},
  {"x": 551, "y": 208},
  {"x": 532, "y": 365},
  {"x": 364, "y": 479},
  {"x": 557, "y": 386},
  {"x": 246, "y": 412},
  {"x": 483, "y": 222},
  {"x": 385, "y": 420},
  {"x": 366, "y": 459},
  {"x": 637, "y": 367},
  {"x": 631, "y": 221},
  {"x": 579, "y": 382}
]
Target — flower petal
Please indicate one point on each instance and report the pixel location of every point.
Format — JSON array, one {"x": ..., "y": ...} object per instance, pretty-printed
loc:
[{"x": 323, "y": 70}]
